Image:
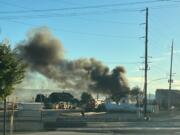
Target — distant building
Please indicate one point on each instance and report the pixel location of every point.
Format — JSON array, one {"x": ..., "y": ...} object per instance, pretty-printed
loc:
[{"x": 162, "y": 96}]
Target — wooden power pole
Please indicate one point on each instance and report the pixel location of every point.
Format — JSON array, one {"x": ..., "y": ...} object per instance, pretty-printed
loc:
[
  {"x": 146, "y": 64},
  {"x": 170, "y": 81}
]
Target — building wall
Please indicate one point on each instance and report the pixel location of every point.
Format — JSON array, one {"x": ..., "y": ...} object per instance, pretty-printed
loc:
[{"x": 162, "y": 96}]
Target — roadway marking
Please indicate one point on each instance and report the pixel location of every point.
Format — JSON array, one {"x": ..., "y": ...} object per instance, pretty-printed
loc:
[{"x": 123, "y": 129}]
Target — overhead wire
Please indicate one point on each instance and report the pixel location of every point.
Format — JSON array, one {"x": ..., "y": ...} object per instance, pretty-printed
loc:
[
  {"x": 50, "y": 15},
  {"x": 121, "y": 62},
  {"x": 76, "y": 14},
  {"x": 71, "y": 14},
  {"x": 82, "y": 33},
  {"x": 85, "y": 7},
  {"x": 13, "y": 18},
  {"x": 14, "y": 5}
]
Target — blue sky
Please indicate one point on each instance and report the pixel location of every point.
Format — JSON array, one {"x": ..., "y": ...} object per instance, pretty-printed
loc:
[{"x": 110, "y": 34}]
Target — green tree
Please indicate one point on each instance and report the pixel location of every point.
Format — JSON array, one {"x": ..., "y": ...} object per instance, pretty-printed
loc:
[
  {"x": 135, "y": 93},
  {"x": 12, "y": 71},
  {"x": 118, "y": 95},
  {"x": 87, "y": 101},
  {"x": 86, "y": 98}
]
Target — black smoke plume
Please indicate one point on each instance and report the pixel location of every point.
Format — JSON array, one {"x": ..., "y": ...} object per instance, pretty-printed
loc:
[{"x": 44, "y": 53}]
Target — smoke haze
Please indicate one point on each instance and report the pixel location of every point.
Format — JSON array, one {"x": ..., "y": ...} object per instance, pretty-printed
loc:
[{"x": 44, "y": 54}]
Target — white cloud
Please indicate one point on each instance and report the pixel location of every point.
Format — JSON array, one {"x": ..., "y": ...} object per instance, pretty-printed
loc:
[
  {"x": 176, "y": 84},
  {"x": 174, "y": 52},
  {"x": 158, "y": 59},
  {"x": 153, "y": 84},
  {"x": 136, "y": 81}
]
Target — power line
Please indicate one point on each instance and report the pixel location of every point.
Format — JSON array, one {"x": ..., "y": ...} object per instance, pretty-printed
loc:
[
  {"x": 51, "y": 15},
  {"x": 66, "y": 15},
  {"x": 121, "y": 62},
  {"x": 82, "y": 33},
  {"x": 164, "y": 6},
  {"x": 107, "y": 21},
  {"x": 38, "y": 16},
  {"x": 13, "y": 5},
  {"x": 79, "y": 18},
  {"x": 159, "y": 69},
  {"x": 53, "y": 10},
  {"x": 86, "y": 7}
]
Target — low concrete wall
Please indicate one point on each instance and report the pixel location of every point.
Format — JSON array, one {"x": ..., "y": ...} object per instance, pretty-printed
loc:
[{"x": 23, "y": 121}]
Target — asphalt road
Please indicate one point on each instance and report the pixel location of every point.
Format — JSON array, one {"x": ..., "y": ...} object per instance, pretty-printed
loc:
[
  {"x": 159, "y": 125},
  {"x": 117, "y": 128},
  {"x": 111, "y": 131}
]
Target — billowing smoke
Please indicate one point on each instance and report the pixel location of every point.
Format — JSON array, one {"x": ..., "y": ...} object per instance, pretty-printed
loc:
[{"x": 44, "y": 53}]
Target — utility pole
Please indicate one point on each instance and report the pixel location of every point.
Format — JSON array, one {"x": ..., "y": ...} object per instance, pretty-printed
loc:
[
  {"x": 146, "y": 65},
  {"x": 5, "y": 109},
  {"x": 4, "y": 120},
  {"x": 170, "y": 77}
]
